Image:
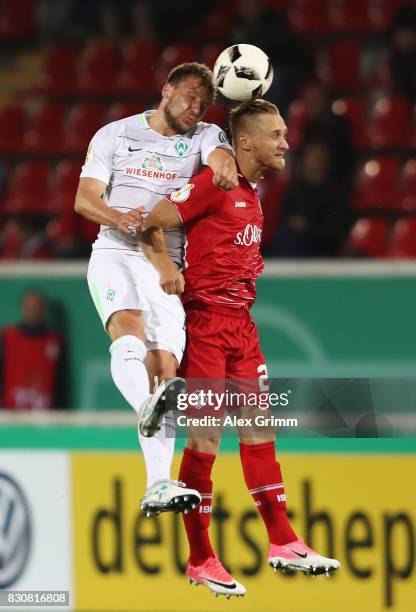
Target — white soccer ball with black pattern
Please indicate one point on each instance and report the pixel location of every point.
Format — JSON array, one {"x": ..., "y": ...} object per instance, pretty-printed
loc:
[{"x": 243, "y": 72}]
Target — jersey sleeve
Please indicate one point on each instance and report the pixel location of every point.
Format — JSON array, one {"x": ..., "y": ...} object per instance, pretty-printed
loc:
[
  {"x": 213, "y": 137},
  {"x": 195, "y": 199},
  {"x": 99, "y": 159}
]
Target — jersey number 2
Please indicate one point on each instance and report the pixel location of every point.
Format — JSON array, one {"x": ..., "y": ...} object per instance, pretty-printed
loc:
[{"x": 263, "y": 379}]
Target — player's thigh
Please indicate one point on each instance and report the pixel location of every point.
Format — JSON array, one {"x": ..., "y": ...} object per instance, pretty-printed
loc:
[
  {"x": 246, "y": 360},
  {"x": 205, "y": 356},
  {"x": 164, "y": 322},
  {"x": 114, "y": 292},
  {"x": 247, "y": 379},
  {"x": 126, "y": 323}
]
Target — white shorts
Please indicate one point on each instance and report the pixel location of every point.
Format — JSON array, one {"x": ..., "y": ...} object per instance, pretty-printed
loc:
[{"x": 127, "y": 281}]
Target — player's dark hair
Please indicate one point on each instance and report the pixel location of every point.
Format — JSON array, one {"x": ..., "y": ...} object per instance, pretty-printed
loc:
[
  {"x": 249, "y": 109},
  {"x": 183, "y": 71}
]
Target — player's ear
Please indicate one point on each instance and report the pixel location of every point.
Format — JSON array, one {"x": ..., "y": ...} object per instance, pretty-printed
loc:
[
  {"x": 244, "y": 141},
  {"x": 167, "y": 90}
]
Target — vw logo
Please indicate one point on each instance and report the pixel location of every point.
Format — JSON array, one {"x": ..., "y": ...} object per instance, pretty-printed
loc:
[{"x": 15, "y": 531}]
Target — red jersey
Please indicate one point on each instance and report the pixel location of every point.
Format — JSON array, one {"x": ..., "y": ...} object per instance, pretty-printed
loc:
[{"x": 222, "y": 252}]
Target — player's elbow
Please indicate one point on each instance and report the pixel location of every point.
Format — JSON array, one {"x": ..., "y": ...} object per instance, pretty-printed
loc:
[{"x": 79, "y": 205}]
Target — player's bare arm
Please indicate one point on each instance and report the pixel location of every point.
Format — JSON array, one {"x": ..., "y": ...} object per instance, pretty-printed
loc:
[
  {"x": 222, "y": 163},
  {"x": 154, "y": 248},
  {"x": 164, "y": 216},
  {"x": 89, "y": 204}
]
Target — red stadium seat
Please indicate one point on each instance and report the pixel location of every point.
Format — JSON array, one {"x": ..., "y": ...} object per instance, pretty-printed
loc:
[
  {"x": 271, "y": 191},
  {"x": 172, "y": 56},
  {"x": 380, "y": 13},
  {"x": 11, "y": 129},
  {"x": 354, "y": 109},
  {"x": 28, "y": 188},
  {"x": 349, "y": 15},
  {"x": 97, "y": 68},
  {"x": 16, "y": 19},
  {"x": 407, "y": 187},
  {"x": 403, "y": 240},
  {"x": 138, "y": 72},
  {"x": 296, "y": 123},
  {"x": 45, "y": 131},
  {"x": 120, "y": 110},
  {"x": 82, "y": 123},
  {"x": 210, "y": 52},
  {"x": 217, "y": 113},
  {"x": 368, "y": 238},
  {"x": 58, "y": 75},
  {"x": 376, "y": 186},
  {"x": 388, "y": 122},
  {"x": 412, "y": 129},
  {"x": 63, "y": 186},
  {"x": 309, "y": 16},
  {"x": 338, "y": 65}
]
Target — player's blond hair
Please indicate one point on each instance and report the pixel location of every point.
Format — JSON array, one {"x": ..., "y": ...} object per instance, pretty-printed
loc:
[
  {"x": 183, "y": 71},
  {"x": 249, "y": 109}
]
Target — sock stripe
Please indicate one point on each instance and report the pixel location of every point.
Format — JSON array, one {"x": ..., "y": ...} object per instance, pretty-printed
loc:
[{"x": 280, "y": 485}]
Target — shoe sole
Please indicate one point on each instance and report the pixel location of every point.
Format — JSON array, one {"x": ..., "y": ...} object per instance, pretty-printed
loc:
[
  {"x": 290, "y": 569},
  {"x": 180, "y": 503},
  {"x": 151, "y": 425},
  {"x": 194, "y": 582}
]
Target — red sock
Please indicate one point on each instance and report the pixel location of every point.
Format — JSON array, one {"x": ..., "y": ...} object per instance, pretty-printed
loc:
[
  {"x": 265, "y": 483},
  {"x": 195, "y": 471}
]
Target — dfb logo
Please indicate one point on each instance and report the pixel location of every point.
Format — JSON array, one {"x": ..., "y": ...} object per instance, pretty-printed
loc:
[{"x": 15, "y": 531}]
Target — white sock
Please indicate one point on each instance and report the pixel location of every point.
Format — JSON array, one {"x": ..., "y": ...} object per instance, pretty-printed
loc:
[
  {"x": 158, "y": 451},
  {"x": 128, "y": 370},
  {"x": 131, "y": 379}
]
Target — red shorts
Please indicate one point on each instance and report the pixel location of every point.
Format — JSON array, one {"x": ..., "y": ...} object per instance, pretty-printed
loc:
[{"x": 222, "y": 343}]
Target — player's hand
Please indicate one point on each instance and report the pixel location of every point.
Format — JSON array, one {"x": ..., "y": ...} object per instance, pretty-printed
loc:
[
  {"x": 131, "y": 221},
  {"x": 225, "y": 177},
  {"x": 171, "y": 279}
]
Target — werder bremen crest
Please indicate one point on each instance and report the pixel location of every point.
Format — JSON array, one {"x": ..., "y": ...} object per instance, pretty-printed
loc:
[
  {"x": 181, "y": 147},
  {"x": 152, "y": 162}
]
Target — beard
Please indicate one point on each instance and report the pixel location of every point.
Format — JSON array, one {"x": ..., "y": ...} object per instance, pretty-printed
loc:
[{"x": 173, "y": 122}]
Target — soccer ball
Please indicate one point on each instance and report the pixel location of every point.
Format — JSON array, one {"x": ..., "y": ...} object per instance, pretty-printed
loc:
[{"x": 243, "y": 72}]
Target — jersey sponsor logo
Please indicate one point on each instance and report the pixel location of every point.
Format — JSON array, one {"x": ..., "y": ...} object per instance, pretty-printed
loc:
[
  {"x": 144, "y": 173},
  {"x": 181, "y": 147},
  {"x": 240, "y": 204},
  {"x": 223, "y": 137},
  {"x": 152, "y": 162},
  {"x": 182, "y": 194},
  {"x": 111, "y": 294},
  {"x": 251, "y": 235}
]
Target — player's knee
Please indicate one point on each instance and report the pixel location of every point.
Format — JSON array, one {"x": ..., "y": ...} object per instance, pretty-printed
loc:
[
  {"x": 256, "y": 440},
  {"x": 126, "y": 323},
  {"x": 130, "y": 347},
  {"x": 204, "y": 445}
]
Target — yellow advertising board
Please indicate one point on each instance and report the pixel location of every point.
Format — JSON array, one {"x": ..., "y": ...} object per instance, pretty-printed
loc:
[{"x": 359, "y": 508}]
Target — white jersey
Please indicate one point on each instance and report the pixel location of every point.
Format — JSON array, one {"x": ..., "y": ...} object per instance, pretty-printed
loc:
[{"x": 140, "y": 167}]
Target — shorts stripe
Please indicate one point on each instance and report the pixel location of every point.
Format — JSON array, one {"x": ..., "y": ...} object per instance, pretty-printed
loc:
[{"x": 97, "y": 302}]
